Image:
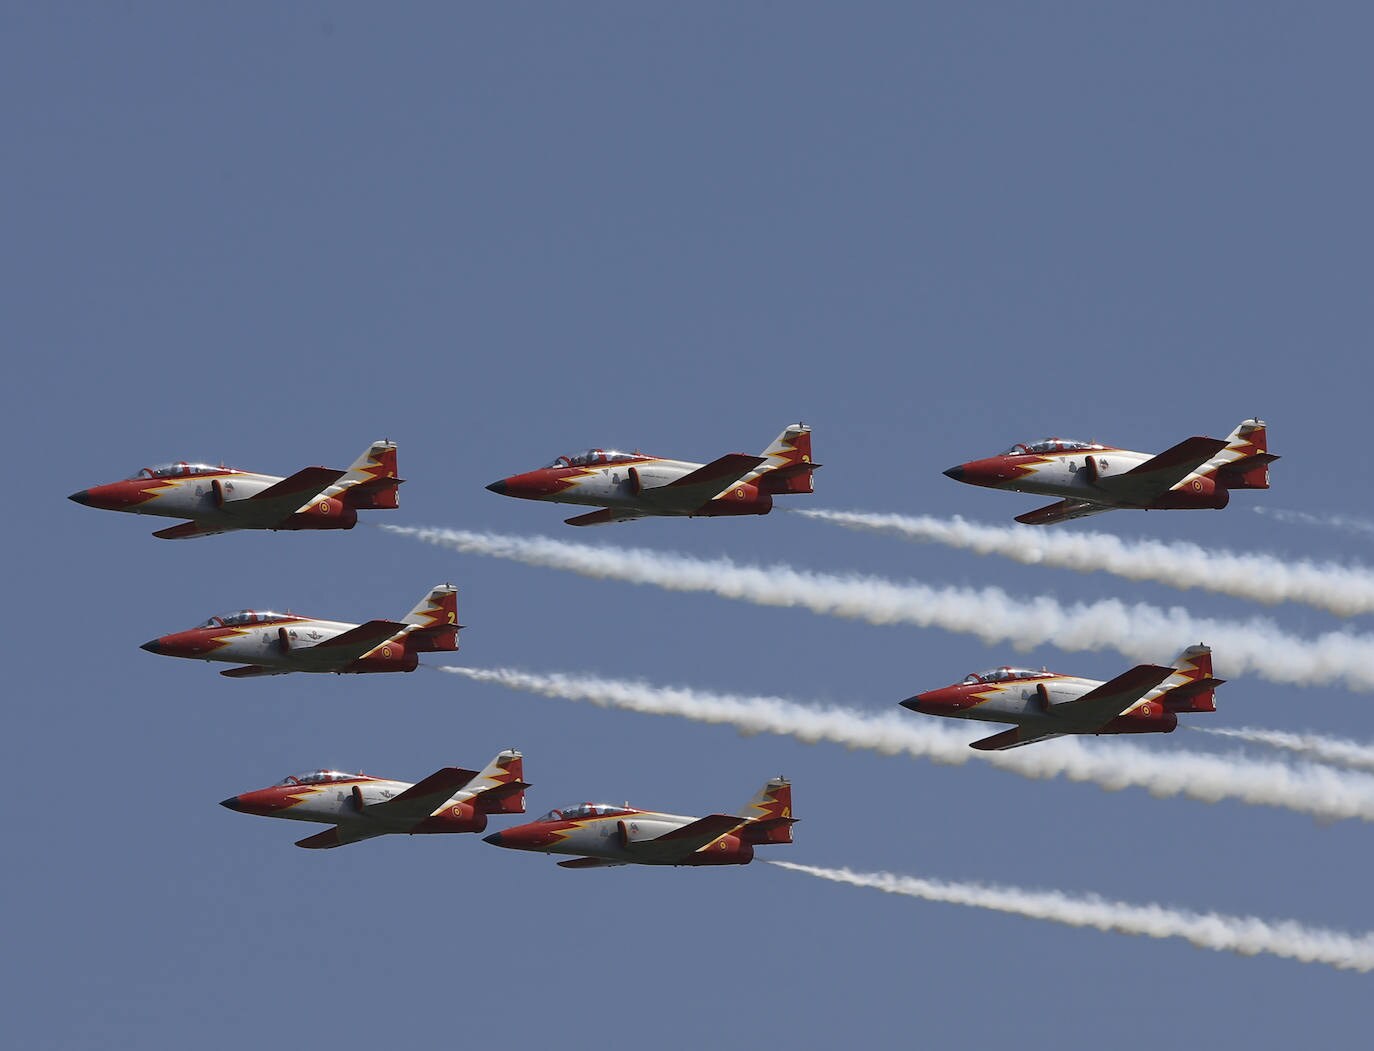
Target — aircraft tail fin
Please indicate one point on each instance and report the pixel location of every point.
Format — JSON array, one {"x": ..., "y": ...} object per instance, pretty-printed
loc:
[
  {"x": 769, "y": 814},
  {"x": 500, "y": 787},
  {"x": 787, "y": 466},
  {"x": 371, "y": 483},
  {"x": 1246, "y": 458},
  {"x": 435, "y": 620},
  {"x": 1190, "y": 688}
]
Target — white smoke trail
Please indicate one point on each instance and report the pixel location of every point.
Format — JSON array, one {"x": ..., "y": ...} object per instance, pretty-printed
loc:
[
  {"x": 1244, "y": 935},
  {"x": 1139, "y": 631},
  {"x": 1339, "y": 589},
  {"x": 1318, "y": 791},
  {"x": 1333, "y": 750},
  {"x": 1341, "y": 523}
]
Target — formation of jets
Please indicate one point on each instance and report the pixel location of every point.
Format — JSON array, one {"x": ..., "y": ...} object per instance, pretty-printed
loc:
[{"x": 1086, "y": 478}]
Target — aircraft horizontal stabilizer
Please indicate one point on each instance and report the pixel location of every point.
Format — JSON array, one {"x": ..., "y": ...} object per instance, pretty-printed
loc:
[
  {"x": 589, "y": 863},
  {"x": 503, "y": 799}
]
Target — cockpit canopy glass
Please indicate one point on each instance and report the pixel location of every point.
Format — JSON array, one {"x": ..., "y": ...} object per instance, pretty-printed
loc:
[
  {"x": 243, "y": 616},
  {"x": 590, "y": 458},
  {"x": 318, "y": 777},
  {"x": 175, "y": 470},
  {"x": 573, "y": 813},
  {"x": 1050, "y": 445},
  {"x": 1001, "y": 675}
]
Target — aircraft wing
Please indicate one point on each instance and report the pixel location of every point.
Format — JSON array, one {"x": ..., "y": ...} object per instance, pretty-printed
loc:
[
  {"x": 339, "y": 836},
  {"x": 692, "y": 490},
  {"x": 1157, "y": 475},
  {"x": 605, "y": 516},
  {"x": 590, "y": 863},
  {"x": 1013, "y": 738},
  {"x": 1101, "y": 705},
  {"x": 279, "y": 501},
  {"x": 249, "y": 671},
  {"x": 343, "y": 650},
  {"x": 686, "y": 840},
  {"x": 423, "y": 798},
  {"x": 187, "y": 530},
  {"x": 1062, "y": 512}
]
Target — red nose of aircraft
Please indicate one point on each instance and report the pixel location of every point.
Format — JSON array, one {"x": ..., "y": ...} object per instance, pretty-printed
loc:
[
  {"x": 529, "y": 486},
  {"x": 522, "y": 837},
  {"x": 193, "y": 643},
  {"x": 945, "y": 701},
  {"x": 113, "y": 497},
  {"x": 995, "y": 470},
  {"x": 264, "y": 802}
]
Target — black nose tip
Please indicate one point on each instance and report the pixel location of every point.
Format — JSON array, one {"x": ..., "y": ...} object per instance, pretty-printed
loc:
[
  {"x": 494, "y": 839},
  {"x": 499, "y": 488},
  {"x": 957, "y": 473},
  {"x": 81, "y": 496},
  {"x": 152, "y": 647},
  {"x": 232, "y": 803},
  {"x": 912, "y": 703}
]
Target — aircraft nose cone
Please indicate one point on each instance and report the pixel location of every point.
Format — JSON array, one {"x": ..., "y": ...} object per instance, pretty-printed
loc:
[
  {"x": 81, "y": 496},
  {"x": 495, "y": 838},
  {"x": 232, "y": 803},
  {"x": 957, "y": 473},
  {"x": 913, "y": 703},
  {"x": 152, "y": 646},
  {"x": 499, "y": 488}
]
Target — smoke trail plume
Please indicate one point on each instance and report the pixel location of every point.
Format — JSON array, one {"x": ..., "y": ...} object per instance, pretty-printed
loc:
[
  {"x": 1342, "y": 590},
  {"x": 1340, "y": 523},
  {"x": 1139, "y": 631},
  {"x": 1318, "y": 791},
  {"x": 1244, "y": 935},
  {"x": 1334, "y": 750}
]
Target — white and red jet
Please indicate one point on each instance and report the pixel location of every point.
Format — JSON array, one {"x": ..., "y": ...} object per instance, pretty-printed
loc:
[
  {"x": 222, "y": 499},
  {"x": 362, "y": 807},
  {"x": 268, "y": 643},
  {"x": 1092, "y": 478},
  {"x": 627, "y": 486},
  {"x": 1144, "y": 700},
  {"x": 599, "y": 835}
]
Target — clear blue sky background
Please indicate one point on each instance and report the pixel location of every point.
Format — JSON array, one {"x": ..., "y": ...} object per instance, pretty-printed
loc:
[{"x": 495, "y": 234}]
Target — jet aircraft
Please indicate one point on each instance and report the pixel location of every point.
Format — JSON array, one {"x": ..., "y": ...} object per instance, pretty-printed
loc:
[
  {"x": 627, "y": 486},
  {"x": 268, "y": 643},
  {"x": 599, "y": 835},
  {"x": 223, "y": 499},
  {"x": 1042, "y": 704},
  {"x": 362, "y": 807},
  {"x": 1091, "y": 478}
]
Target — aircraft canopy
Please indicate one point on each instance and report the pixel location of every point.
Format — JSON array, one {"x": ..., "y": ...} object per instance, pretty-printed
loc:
[
  {"x": 318, "y": 777},
  {"x": 1050, "y": 445},
  {"x": 1001, "y": 675},
  {"x": 176, "y": 470},
  {"x": 573, "y": 813},
  {"x": 244, "y": 616},
  {"x": 591, "y": 458}
]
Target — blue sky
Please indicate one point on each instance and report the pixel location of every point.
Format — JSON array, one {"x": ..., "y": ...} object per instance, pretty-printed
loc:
[{"x": 497, "y": 234}]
